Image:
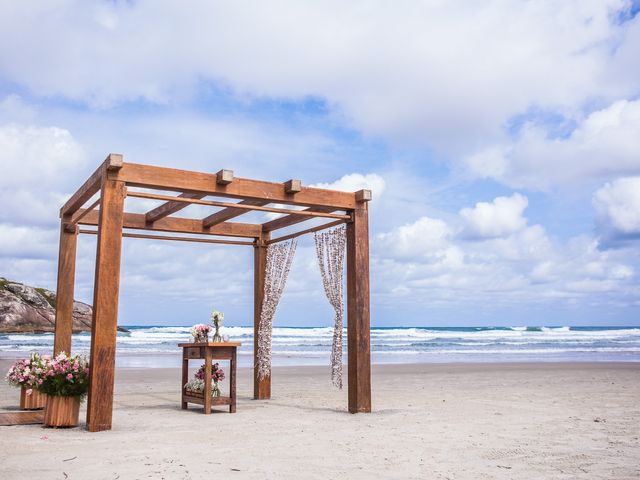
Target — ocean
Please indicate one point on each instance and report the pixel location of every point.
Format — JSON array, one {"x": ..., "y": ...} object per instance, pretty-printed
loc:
[{"x": 151, "y": 346}]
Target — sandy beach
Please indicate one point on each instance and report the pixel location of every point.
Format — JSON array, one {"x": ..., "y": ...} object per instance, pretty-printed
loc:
[{"x": 456, "y": 421}]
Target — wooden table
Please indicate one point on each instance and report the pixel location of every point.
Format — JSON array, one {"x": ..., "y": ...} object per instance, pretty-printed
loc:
[{"x": 208, "y": 352}]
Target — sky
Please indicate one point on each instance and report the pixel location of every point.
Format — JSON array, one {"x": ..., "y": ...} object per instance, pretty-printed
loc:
[{"x": 501, "y": 140}]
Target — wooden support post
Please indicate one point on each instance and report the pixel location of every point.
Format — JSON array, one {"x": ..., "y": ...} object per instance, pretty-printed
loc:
[
  {"x": 105, "y": 306},
  {"x": 65, "y": 288},
  {"x": 261, "y": 388},
  {"x": 358, "y": 322}
]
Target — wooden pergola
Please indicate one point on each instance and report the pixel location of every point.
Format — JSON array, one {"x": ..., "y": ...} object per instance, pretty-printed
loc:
[{"x": 115, "y": 180}]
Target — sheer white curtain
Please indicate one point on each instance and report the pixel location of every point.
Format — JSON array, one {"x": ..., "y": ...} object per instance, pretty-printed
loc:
[
  {"x": 330, "y": 249},
  {"x": 279, "y": 258}
]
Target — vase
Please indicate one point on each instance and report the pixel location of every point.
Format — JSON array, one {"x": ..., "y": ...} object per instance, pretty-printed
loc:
[
  {"x": 61, "y": 411},
  {"x": 216, "y": 335},
  {"x": 201, "y": 338},
  {"x": 215, "y": 390},
  {"x": 33, "y": 401}
]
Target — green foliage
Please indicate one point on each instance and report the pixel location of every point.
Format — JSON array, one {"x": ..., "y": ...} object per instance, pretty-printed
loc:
[
  {"x": 3, "y": 282},
  {"x": 50, "y": 299}
]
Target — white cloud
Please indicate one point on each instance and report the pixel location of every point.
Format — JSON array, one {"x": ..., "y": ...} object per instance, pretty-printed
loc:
[
  {"x": 399, "y": 71},
  {"x": 356, "y": 181},
  {"x": 605, "y": 144},
  {"x": 425, "y": 263},
  {"x": 617, "y": 206},
  {"x": 501, "y": 217}
]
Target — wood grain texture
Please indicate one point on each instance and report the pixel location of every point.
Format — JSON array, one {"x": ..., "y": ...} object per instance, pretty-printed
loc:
[
  {"x": 169, "y": 208},
  {"x": 358, "y": 321},
  {"x": 229, "y": 213},
  {"x": 162, "y": 178},
  {"x": 33, "y": 401},
  {"x": 288, "y": 220},
  {"x": 65, "y": 288},
  {"x": 261, "y": 388},
  {"x": 112, "y": 163},
  {"x": 105, "y": 307},
  {"x": 61, "y": 411},
  {"x": 33, "y": 417},
  {"x": 136, "y": 221}
]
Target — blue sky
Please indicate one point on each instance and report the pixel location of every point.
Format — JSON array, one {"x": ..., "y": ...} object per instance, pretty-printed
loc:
[{"x": 501, "y": 141}]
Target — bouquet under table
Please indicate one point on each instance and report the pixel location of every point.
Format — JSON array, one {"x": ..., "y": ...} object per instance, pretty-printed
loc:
[{"x": 196, "y": 384}]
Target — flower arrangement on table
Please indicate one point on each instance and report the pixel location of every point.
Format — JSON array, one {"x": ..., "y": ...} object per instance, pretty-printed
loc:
[
  {"x": 196, "y": 385},
  {"x": 200, "y": 332},
  {"x": 217, "y": 319},
  {"x": 26, "y": 375}
]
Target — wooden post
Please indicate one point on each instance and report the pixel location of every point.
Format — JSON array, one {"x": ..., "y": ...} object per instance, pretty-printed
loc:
[
  {"x": 65, "y": 288},
  {"x": 261, "y": 388},
  {"x": 105, "y": 306},
  {"x": 358, "y": 321}
]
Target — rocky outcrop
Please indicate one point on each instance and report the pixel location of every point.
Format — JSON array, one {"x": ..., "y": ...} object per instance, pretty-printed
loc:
[{"x": 28, "y": 309}]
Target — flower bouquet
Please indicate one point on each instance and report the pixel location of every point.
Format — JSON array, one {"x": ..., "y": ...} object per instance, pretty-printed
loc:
[
  {"x": 25, "y": 374},
  {"x": 217, "y": 318},
  {"x": 196, "y": 385},
  {"x": 65, "y": 381},
  {"x": 200, "y": 333}
]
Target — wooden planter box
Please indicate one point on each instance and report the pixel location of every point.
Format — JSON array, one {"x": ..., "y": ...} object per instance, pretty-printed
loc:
[
  {"x": 61, "y": 411},
  {"x": 35, "y": 401}
]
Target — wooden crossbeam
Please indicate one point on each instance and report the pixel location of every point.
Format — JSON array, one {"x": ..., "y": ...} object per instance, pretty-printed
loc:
[
  {"x": 289, "y": 220},
  {"x": 112, "y": 163},
  {"x": 169, "y": 208},
  {"x": 162, "y": 178},
  {"x": 303, "y": 232},
  {"x": 137, "y": 221},
  {"x": 72, "y": 224},
  {"x": 215, "y": 203},
  {"x": 229, "y": 213},
  {"x": 172, "y": 238}
]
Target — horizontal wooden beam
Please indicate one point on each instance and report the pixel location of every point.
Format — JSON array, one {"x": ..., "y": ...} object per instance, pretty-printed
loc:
[
  {"x": 175, "y": 239},
  {"x": 303, "y": 232},
  {"x": 169, "y": 208},
  {"x": 71, "y": 226},
  {"x": 289, "y": 220},
  {"x": 112, "y": 163},
  {"x": 162, "y": 178},
  {"x": 229, "y": 213},
  {"x": 215, "y": 203},
  {"x": 137, "y": 221}
]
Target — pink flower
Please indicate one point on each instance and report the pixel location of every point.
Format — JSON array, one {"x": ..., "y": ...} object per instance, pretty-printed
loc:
[
  {"x": 29, "y": 391},
  {"x": 69, "y": 376}
]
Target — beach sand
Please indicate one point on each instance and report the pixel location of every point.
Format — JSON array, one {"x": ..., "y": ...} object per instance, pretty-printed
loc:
[{"x": 430, "y": 421}]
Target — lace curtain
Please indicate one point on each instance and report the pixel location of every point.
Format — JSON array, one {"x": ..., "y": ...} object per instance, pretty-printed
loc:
[
  {"x": 279, "y": 258},
  {"x": 330, "y": 249}
]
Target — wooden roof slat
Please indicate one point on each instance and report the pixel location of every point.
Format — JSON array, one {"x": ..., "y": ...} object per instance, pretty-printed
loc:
[
  {"x": 230, "y": 212},
  {"x": 162, "y": 178},
  {"x": 215, "y": 203},
  {"x": 169, "y": 208},
  {"x": 289, "y": 220},
  {"x": 112, "y": 163},
  {"x": 137, "y": 221}
]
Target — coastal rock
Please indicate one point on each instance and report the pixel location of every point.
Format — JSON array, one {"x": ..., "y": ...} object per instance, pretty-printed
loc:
[{"x": 28, "y": 309}]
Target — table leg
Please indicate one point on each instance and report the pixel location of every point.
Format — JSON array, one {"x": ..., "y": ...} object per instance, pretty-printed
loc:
[
  {"x": 207, "y": 381},
  {"x": 232, "y": 381},
  {"x": 185, "y": 378}
]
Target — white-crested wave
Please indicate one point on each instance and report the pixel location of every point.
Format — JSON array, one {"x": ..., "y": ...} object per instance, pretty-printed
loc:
[{"x": 487, "y": 343}]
